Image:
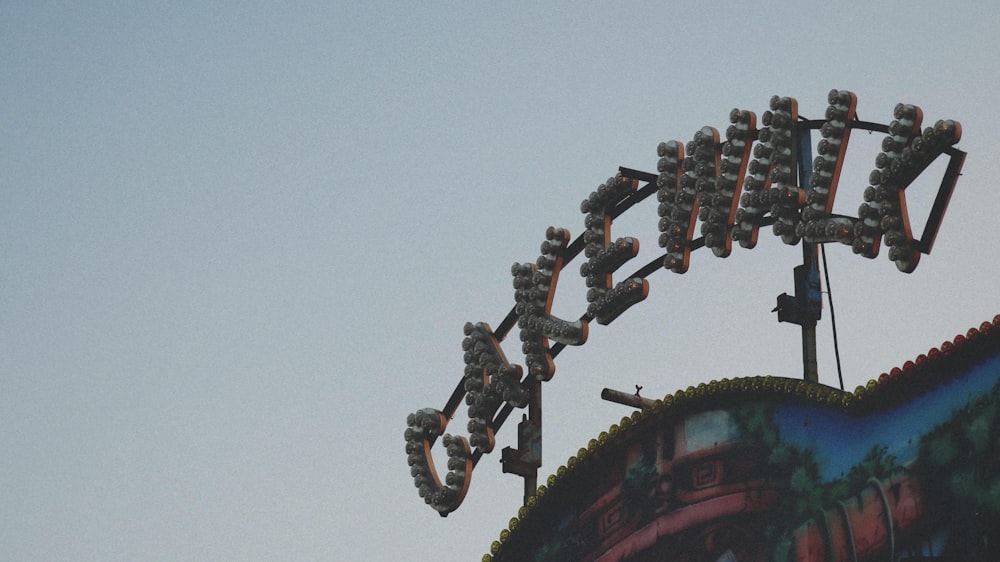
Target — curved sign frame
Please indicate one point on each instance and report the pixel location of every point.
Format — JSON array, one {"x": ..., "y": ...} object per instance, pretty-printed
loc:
[{"x": 756, "y": 177}]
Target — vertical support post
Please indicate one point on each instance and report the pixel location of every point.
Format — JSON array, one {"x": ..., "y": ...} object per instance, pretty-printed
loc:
[
  {"x": 809, "y": 285},
  {"x": 527, "y": 458},
  {"x": 534, "y": 440},
  {"x": 805, "y": 307}
]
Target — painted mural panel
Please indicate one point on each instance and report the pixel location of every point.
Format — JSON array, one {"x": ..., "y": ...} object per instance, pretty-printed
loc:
[{"x": 907, "y": 468}]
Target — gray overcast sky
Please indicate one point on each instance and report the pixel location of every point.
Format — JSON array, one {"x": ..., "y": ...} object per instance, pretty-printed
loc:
[{"x": 238, "y": 243}]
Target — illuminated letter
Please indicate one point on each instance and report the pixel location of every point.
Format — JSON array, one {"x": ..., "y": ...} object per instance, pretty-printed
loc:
[
  {"x": 720, "y": 198},
  {"x": 787, "y": 196},
  {"x": 608, "y": 301},
  {"x": 534, "y": 289},
  {"x": 678, "y": 206},
  {"x": 489, "y": 380},
  {"x": 817, "y": 225},
  {"x": 757, "y": 194},
  {"x": 423, "y": 427},
  {"x": 905, "y": 153}
]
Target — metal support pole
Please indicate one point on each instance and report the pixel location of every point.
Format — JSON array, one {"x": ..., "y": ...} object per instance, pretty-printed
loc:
[
  {"x": 527, "y": 458},
  {"x": 805, "y": 306},
  {"x": 810, "y": 370},
  {"x": 535, "y": 422},
  {"x": 626, "y": 399}
]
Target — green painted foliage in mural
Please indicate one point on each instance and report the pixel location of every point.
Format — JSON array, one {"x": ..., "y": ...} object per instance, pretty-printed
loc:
[
  {"x": 798, "y": 468},
  {"x": 640, "y": 478},
  {"x": 960, "y": 463}
]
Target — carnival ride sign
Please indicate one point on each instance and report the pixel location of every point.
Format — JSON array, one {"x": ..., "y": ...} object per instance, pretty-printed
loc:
[{"x": 760, "y": 175}]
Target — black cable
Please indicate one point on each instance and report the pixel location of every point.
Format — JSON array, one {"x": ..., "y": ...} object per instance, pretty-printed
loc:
[{"x": 833, "y": 316}]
